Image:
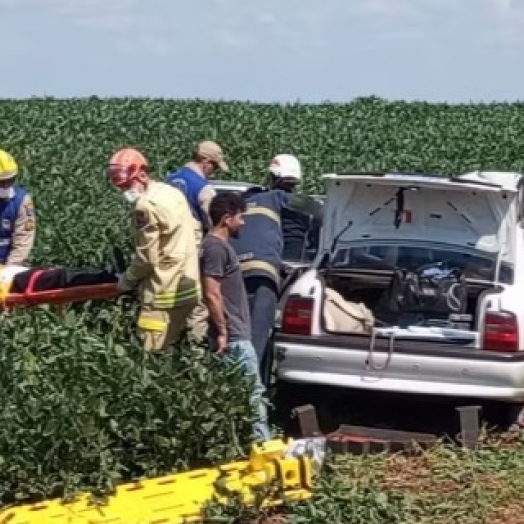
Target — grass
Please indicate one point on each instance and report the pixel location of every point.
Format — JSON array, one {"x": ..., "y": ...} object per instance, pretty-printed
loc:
[
  {"x": 443, "y": 485},
  {"x": 83, "y": 373}
]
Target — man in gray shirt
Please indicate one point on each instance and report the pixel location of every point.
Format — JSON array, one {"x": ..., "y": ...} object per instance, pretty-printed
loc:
[{"x": 226, "y": 298}]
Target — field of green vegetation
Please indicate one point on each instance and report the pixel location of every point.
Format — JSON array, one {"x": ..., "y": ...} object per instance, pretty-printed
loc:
[{"x": 81, "y": 406}]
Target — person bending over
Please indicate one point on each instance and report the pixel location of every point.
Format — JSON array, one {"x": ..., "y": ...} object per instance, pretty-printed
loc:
[{"x": 261, "y": 243}]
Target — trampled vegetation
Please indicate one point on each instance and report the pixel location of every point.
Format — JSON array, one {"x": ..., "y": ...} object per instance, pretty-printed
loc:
[{"x": 82, "y": 408}]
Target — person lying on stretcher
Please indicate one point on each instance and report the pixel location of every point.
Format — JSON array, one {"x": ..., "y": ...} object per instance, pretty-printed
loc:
[{"x": 16, "y": 279}]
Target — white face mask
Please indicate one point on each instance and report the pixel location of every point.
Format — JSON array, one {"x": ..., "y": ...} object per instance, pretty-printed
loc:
[
  {"x": 131, "y": 195},
  {"x": 7, "y": 192}
]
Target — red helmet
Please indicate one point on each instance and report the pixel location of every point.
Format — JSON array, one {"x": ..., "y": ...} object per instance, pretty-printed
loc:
[{"x": 125, "y": 166}]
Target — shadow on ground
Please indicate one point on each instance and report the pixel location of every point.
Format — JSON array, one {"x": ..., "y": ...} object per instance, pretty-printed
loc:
[{"x": 336, "y": 406}]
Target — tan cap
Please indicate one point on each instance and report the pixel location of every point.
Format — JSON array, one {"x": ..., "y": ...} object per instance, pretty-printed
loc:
[{"x": 212, "y": 151}]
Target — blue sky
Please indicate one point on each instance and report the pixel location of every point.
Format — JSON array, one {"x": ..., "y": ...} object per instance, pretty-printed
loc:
[{"x": 264, "y": 50}]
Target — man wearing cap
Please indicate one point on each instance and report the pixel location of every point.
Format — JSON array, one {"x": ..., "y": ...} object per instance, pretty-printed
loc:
[
  {"x": 17, "y": 215},
  {"x": 193, "y": 181}
]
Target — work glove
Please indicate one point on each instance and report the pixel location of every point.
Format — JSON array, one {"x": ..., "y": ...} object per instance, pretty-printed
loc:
[{"x": 123, "y": 285}]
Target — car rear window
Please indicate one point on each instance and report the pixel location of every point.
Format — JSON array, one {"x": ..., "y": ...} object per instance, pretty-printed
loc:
[{"x": 475, "y": 266}]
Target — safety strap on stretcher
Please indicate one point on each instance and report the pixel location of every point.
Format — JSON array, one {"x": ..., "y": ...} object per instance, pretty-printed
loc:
[
  {"x": 5, "y": 286},
  {"x": 31, "y": 284}
]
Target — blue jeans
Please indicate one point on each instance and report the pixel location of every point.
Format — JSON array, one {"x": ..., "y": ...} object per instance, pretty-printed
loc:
[{"x": 242, "y": 352}]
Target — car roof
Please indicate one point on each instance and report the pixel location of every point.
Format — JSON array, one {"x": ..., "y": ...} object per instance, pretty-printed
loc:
[
  {"x": 231, "y": 183},
  {"x": 238, "y": 185}
]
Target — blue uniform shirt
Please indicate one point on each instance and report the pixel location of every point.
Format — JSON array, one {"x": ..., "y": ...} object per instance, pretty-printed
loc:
[
  {"x": 260, "y": 242},
  {"x": 190, "y": 183}
]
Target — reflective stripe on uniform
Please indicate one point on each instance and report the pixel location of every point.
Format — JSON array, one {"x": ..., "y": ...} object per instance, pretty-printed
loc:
[
  {"x": 168, "y": 300},
  {"x": 151, "y": 324},
  {"x": 250, "y": 265},
  {"x": 5, "y": 241},
  {"x": 261, "y": 210}
]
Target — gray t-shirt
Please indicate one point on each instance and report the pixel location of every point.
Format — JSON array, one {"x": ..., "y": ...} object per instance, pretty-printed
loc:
[{"x": 218, "y": 259}]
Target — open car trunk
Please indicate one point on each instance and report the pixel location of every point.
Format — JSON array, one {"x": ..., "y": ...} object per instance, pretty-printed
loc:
[
  {"x": 373, "y": 291},
  {"x": 379, "y": 226}
]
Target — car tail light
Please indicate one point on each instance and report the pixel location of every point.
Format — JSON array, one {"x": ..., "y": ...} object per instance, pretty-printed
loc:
[
  {"x": 297, "y": 316},
  {"x": 501, "y": 332}
]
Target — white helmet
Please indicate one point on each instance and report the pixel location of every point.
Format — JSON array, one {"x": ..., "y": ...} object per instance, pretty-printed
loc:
[{"x": 286, "y": 166}]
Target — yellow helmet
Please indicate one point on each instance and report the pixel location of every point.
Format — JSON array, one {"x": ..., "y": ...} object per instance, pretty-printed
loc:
[{"x": 8, "y": 167}]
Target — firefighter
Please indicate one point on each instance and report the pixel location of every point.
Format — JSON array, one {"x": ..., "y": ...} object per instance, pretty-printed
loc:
[
  {"x": 17, "y": 215},
  {"x": 193, "y": 181},
  {"x": 260, "y": 244},
  {"x": 300, "y": 230},
  {"x": 165, "y": 265}
]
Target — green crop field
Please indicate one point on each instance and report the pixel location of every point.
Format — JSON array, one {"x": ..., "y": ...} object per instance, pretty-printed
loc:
[{"x": 83, "y": 409}]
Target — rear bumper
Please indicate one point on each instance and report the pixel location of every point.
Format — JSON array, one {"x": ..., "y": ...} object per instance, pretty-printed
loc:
[{"x": 425, "y": 371}]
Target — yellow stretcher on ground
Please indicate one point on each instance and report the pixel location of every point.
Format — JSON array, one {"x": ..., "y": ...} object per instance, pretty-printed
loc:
[{"x": 181, "y": 498}]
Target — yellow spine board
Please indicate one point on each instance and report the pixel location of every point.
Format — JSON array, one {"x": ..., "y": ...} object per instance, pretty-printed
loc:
[{"x": 180, "y": 498}]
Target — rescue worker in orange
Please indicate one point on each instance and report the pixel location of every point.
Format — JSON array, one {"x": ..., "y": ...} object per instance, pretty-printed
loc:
[
  {"x": 17, "y": 215},
  {"x": 165, "y": 267}
]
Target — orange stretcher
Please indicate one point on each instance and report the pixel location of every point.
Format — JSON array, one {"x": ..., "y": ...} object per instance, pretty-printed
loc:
[{"x": 62, "y": 296}]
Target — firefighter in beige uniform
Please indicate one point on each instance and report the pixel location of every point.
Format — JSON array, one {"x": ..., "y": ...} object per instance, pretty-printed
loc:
[
  {"x": 17, "y": 215},
  {"x": 165, "y": 266}
]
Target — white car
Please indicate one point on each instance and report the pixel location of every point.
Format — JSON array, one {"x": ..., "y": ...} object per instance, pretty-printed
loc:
[
  {"x": 221, "y": 186},
  {"x": 472, "y": 221}
]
